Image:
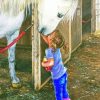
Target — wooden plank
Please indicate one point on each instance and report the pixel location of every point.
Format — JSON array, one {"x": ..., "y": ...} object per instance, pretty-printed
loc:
[
  {"x": 36, "y": 51},
  {"x": 97, "y": 11},
  {"x": 76, "y": 28},
  {"x": 32, "y": 34},
  {"x": 93, "y": 13}
]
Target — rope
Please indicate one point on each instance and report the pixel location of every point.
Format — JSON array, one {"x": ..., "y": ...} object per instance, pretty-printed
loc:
[{"x": 16, "y": 40}]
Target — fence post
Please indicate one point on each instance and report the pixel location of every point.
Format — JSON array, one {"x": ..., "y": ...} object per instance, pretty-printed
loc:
[{"x": 36, "y": 50}]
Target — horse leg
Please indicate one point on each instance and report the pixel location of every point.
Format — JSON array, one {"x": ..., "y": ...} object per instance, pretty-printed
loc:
[{"x": 11, "y": 57}]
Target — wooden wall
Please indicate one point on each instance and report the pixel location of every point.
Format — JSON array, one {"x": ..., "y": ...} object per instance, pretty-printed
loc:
[
  {"x": 26, "y": 39},
  {"x": 86, "y": 16},
  {"x": 76, "y": 28},
  {"x": 97, "y": 10}
]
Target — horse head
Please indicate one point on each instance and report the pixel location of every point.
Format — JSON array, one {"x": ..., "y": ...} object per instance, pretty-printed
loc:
[{"x": 51, "y": 12}]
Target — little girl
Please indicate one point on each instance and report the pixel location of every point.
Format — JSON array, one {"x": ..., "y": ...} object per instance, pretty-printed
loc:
[{"x": 54, "y": 61}]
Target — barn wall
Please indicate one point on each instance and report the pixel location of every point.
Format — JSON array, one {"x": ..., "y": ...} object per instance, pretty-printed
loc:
[
  {"x": 86, "y": 16},
  {"x": 95, "y": 21},
  {"x": 97, "y": 7},
  {"x": 26, "y": 39},
  {"x": 93, "y": 16},
  {"x": 76, "y": 28}
]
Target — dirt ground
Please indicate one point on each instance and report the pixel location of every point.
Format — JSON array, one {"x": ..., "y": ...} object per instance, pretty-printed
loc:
[{"x": 83, "y": 70}]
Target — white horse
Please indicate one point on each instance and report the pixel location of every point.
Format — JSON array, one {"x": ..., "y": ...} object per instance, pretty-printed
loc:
[{"x": 12, "y": 13}]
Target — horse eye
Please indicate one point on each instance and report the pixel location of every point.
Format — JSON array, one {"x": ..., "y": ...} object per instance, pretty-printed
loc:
[{"x": 60, "y": 15}]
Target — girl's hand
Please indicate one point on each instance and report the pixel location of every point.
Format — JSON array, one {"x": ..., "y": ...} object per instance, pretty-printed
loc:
[
  {"x": 43, "y": 64},
  {"x": 49, "y": 62},
  {"x": 47, "y": 68}
]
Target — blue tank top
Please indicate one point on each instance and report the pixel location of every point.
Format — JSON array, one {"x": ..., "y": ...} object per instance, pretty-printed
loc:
[{"x": 58, "y": 69}]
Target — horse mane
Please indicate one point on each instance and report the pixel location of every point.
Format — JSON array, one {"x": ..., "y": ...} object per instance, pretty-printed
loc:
[{"x": 13, "y": 7}]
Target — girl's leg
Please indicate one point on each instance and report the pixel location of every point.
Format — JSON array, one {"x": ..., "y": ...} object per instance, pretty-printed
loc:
[
  {"x": 61, "y": 92},
  {"x": 58, "y": 91},
  {"x": 65, "y": 91}
]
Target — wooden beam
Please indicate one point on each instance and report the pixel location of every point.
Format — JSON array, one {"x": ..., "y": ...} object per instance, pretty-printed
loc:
[{"x": 36, "y": 51}]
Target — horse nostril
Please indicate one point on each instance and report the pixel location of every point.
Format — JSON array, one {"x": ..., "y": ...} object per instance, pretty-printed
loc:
[{"x": 42, "y": 30}]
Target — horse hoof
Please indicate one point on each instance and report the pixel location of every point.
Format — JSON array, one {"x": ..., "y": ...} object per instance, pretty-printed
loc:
[{"x": 16, "y": 85}]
